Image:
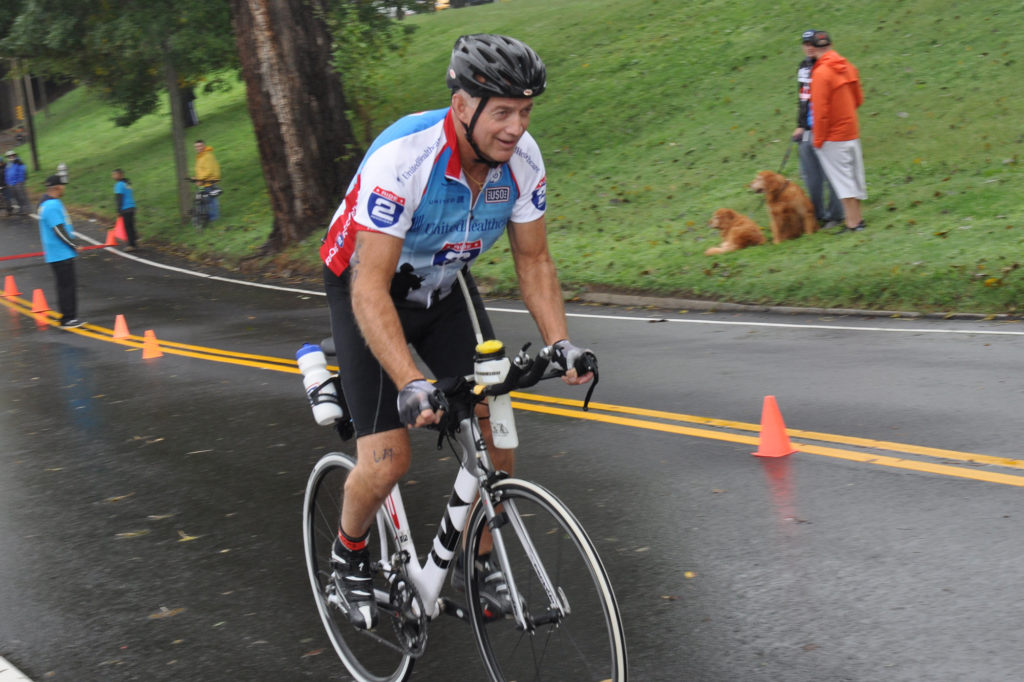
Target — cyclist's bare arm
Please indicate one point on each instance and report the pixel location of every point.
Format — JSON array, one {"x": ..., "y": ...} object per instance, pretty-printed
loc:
[
  {"x": 373, "y": 266},
  {"x": 538, "y": 284}
]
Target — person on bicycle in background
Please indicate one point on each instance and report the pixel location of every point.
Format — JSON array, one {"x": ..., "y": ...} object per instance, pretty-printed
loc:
[
  {"x": 206, "y": 174},
  {"x": 435, "y": 190}
]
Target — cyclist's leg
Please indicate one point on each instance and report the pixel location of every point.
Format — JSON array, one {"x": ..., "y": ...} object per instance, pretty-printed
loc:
[
  {"x": 373, "y": 658},
  {"x": 382, "y": 442},
  {"x": 383, "y": 458}
]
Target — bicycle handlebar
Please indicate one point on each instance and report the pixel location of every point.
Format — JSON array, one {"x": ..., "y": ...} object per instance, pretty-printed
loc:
[{"x": 525, "y": 372}]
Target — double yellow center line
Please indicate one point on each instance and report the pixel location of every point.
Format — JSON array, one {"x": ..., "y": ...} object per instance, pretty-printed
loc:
[
  {"x": 919, "y": 458},
  {"x": 974, "y": 466}
]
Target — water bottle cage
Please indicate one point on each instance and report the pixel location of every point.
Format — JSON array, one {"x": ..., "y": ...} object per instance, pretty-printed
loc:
[{"x": 317, "y": 397}]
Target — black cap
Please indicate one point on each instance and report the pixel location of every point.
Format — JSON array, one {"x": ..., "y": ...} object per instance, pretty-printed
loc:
[
  {"x": 54, "y": 180},
  {"x": 807, "y": 36},
  {"x": 821, "y": 39}
]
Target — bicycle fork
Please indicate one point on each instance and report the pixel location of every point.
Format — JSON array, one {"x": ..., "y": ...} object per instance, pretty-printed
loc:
[{"x": 558, "y": 604}]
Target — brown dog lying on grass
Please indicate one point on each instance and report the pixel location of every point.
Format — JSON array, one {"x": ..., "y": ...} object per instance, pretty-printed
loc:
[
  {"x": 738, "y": 231},
  {"x": 791, "y": 210}
]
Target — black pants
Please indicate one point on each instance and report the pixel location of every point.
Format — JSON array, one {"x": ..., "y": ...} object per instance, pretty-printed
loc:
[
  {"x": 67, "y": 298},
  {"x": 129, "y": 225},
  {"x": 442, "y": 336}
]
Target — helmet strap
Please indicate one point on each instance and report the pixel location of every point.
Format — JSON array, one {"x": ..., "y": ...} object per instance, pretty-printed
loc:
[{"x": 480, "y": 156}]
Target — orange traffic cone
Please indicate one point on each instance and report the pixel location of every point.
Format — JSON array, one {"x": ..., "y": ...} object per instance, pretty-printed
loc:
[
  {"x": 111, "y": 239},
  {"x": 150, "y": 347},
  {"x": 774, "y": 439},
  {"x": 120, "y": 328},
  {"x": 10, "y": 288},
  {"x": 119, "y": 229},
  {"x": 39, "y": 302}
]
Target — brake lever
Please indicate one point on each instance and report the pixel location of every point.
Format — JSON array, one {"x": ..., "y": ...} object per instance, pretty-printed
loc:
[{"x": 591, "y": 365}]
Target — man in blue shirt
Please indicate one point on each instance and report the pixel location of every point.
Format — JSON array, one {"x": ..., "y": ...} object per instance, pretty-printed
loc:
[
  {"x": 124, "y": 198},
  {"x": 435, "y": 191},
  {"x": 14, "y": 177},
  {"x": 59, "y": 249}
]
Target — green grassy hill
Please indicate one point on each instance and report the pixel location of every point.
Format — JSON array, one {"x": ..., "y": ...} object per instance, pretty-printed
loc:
[{"x": 659, "y": 112}]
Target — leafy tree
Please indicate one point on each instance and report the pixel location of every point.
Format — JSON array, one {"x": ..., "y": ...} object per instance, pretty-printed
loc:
[
  {"x": 129, "y": 51},
  {"x": 289, "y": 52}
]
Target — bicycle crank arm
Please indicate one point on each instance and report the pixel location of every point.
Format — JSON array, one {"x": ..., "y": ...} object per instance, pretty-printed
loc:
[{"x": 454, "y": 608}]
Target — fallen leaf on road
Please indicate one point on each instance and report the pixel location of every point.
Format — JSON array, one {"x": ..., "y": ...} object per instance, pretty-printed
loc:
[
  {"x": 165, "y": 612},
  {"x": 131, "y": 534}
]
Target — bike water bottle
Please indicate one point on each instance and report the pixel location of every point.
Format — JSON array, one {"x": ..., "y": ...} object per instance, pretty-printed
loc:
[
  {"x": 319, "y": 384},
  {"x": 491, "y": 367}
]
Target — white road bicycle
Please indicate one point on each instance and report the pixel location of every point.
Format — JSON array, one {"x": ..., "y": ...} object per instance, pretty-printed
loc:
[{"x": 562, "y": 621}]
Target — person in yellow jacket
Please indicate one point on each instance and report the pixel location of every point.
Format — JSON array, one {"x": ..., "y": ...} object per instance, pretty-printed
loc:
[{"x": 207, "y": 173}]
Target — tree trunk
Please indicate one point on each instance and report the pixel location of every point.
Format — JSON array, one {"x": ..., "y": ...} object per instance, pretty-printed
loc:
[
  {"x": 297, "y": 107},
  {"x": 178, "y": 137}
]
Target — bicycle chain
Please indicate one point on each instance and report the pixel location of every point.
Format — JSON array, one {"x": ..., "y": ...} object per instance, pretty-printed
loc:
[{"x": 395, "y": 611}]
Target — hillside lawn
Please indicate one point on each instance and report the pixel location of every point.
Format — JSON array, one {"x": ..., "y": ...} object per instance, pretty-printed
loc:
[{"x": 656, "y": 114}]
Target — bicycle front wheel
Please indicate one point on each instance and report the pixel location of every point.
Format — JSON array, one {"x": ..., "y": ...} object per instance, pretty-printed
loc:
[
  {"x": 573, "y": 628},
  {"x": 373, "y": 656}
]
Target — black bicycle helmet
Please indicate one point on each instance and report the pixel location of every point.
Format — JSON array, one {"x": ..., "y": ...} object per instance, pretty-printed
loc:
[{"x": 489, "y": 65}]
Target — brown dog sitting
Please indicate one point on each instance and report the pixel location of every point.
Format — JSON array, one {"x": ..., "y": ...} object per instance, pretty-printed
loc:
[
  {"x": 738, "y": 231},
  {"x": 791, "y": 210}
]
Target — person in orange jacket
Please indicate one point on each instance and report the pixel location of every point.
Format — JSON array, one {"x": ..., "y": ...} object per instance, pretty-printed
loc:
[{"x": 835, "y": 96}]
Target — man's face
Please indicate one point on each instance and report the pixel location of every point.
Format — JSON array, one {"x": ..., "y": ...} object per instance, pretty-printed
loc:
[
  {"x": 198, "y": 146},
  {"x": 810, "y": 50},
  {"x": 500, "y": 126},
  {"x": 57, "y": 191}
]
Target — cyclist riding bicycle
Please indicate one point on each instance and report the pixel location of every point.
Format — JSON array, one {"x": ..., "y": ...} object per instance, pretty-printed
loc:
[{"x": 435, "y": 190}]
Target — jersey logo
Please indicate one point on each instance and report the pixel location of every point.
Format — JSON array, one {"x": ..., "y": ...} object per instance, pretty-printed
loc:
[
  {"x": 497, "y": 195},
  {"x": 384, "y": 207},
  {"x": 540, "y": 194},
  {"x": 458, "y": 252}
]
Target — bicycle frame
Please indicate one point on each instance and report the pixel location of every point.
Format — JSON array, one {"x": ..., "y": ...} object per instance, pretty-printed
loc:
[{"x": 428, "y": 577}]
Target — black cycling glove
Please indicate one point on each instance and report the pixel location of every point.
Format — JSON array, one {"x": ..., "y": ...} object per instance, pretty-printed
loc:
[
  {"x": 417, "y": 396},
  {"x": 567, "y": 356}
]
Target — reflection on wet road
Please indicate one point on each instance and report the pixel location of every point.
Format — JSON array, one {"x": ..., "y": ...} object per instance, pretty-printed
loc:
[{"x": 150, "y": 508}]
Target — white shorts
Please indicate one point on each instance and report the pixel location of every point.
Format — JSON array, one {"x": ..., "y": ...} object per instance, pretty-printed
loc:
[{"x": 844, "y": 166}]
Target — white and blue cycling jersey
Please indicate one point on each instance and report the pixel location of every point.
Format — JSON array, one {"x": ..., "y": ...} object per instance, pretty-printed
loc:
[{"x": 411, "y": 185}]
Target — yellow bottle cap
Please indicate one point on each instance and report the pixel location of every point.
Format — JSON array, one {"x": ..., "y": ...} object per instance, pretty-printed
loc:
[{"x": 491, "y": 347}]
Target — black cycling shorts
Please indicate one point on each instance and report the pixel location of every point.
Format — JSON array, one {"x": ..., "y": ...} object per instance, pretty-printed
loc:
[{"x": 441, "y": 335}]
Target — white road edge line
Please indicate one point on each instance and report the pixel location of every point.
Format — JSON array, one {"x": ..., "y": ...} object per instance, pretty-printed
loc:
[
  {"x": 8, "y": 673},
  {"x": 782, "y": 325}
]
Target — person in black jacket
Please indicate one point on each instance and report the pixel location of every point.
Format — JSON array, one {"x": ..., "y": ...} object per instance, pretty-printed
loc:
[{"x": 811, "y": 172}]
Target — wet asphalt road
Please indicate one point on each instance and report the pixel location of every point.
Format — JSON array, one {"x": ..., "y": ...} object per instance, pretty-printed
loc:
[{"x": 150, "y": 509}]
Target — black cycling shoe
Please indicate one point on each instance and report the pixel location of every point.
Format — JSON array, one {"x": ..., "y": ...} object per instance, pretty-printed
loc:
[
  {"x": 354, "y": 582},
  {"x": 494, "y": 597}
]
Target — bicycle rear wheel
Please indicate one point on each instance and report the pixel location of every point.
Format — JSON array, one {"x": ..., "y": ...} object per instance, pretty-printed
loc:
[
  {"x": 373, "y": 656},
  {"x": 574, "y": 633},
  {"x": 200, "y": 214}
]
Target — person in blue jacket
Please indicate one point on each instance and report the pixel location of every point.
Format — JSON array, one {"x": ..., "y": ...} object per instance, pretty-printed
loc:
[
  {"x": 14, "y": 177},
  {"x": 59, "y": 249},
  {"x": 124, "y": 197}
]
